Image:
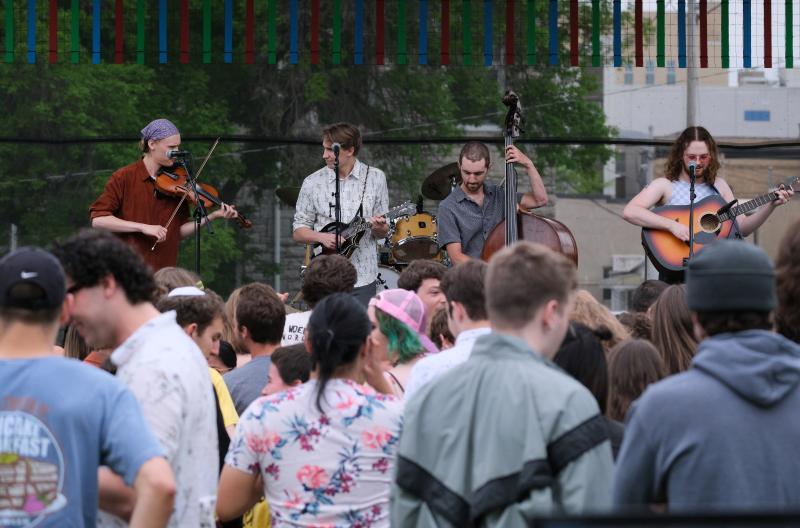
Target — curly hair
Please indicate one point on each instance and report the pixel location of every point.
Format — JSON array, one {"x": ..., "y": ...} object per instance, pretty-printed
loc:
[
  {"x": 198, "y": 309},
  {"x": 674, "y": 166},
  {"x": 411, "y": 278},
  {"x": 404, "y": 345},
  {"x": 787, "y": 275},
  {"x": 325, "y": 275},
  {"x": 92, "y": 255}
]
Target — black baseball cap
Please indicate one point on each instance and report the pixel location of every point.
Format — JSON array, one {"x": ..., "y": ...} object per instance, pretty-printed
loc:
[{"x": 32, "y": 265}]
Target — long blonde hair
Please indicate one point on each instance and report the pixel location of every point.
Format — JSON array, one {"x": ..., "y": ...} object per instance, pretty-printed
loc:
[{"x": 591, "y": 313}]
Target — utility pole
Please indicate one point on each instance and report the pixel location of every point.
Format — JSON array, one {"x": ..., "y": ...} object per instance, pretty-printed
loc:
[{"x": 691, "y": 70}]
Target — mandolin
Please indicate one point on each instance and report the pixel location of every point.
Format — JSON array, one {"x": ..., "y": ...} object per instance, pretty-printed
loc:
[{"x": 353, "y": 232}]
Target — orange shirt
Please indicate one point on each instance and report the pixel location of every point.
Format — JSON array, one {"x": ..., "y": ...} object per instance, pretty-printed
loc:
[{"x": 130, "y": 194}]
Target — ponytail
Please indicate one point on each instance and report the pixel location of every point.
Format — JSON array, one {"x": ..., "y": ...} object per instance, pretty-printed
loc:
[{"x": 337, "y": 329}]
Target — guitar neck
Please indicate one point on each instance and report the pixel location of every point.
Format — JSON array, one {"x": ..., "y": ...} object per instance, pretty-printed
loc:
[{"x": 758, "y": 201}]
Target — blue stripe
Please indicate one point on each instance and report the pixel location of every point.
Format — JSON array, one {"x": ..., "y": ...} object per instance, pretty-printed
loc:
[
  {"x": 681, "y": 33},
  {"x": 747, "y": 51},
  {"x": 162, "y": 31},
  {"x": 294, "y": 53},
  {"x": 487, "y": 32},
  {"x": 359, "y": 37},
  {"x": 31, "y": 31},
  {"x": 553, "y": 32},
  {"x": 228, "y": 46},
  {"x": 423, "y": 31},
  {"x": 617, "y": 33},
  {"x": 96, "y": 32}
]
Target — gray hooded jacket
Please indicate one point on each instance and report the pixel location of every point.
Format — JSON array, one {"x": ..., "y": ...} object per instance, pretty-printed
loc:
[{"x": 723, "y": 435}]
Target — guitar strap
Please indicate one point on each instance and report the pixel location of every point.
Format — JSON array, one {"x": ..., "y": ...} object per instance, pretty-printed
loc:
[
  {"x": 736, "y": 233},
  {"x": 360, "y": 211}
]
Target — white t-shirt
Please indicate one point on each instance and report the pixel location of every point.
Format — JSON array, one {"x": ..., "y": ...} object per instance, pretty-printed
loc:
[
  {"x": 294, "y": 330},
  {"x": 169, "y": 377}
]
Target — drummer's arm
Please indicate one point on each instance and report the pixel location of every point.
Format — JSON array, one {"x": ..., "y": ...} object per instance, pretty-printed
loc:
[{"x": 455, "y": 254}]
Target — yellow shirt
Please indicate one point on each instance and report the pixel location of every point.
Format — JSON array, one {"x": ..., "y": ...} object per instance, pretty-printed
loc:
[{"x": 229, "y": 415}]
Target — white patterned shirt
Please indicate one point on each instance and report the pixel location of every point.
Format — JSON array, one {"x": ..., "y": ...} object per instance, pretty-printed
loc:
[
  {"x": 168, "y": 374},
  {"x": 315, "y": 209}
]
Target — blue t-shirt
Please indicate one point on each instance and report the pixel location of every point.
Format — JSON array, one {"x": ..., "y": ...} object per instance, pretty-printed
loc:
[{"x": 59, "y": 421}]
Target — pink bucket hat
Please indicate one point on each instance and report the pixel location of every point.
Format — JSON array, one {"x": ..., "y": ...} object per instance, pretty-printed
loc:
[{"x": 408, "y": 308}]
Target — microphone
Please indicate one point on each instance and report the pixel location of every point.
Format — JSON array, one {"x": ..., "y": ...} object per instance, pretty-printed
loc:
[
  {"x": 692, "y": 168},
  {"x": 336, "y": 147},
  {"x": 172, "y": 154}
]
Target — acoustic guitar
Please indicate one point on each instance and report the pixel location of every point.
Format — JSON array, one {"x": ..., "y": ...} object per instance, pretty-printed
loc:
[
  {"x": 353, "y": 232},
  {"x": 713, "y": 219}
]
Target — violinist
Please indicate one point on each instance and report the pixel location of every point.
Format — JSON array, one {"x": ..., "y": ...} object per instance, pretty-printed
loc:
[
  {"x": 132, "y": 207},
  {"x": 475, "y": 207}
]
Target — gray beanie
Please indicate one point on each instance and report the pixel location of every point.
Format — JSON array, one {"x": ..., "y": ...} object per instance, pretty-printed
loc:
[{"x": 731, "y": 275}]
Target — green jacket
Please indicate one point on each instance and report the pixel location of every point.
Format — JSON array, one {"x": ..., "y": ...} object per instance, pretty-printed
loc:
[{"x": 500, "y": 439}]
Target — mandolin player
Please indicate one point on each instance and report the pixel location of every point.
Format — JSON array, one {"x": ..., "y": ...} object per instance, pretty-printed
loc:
[
  {"x": 130, "y": 206},
  {"x": 696, "y": 147},
  {"x": 362, "y": 191}
]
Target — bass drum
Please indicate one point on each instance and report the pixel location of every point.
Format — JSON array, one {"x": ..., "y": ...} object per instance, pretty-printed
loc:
[
  {"x": 387, "y": 278},
  {"x": 414, "y": 238}
]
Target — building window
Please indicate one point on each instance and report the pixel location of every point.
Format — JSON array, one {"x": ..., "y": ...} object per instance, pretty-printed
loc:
[
  {"x": 756, "y": 115},
  {"x": 628, "y": 74},
  {"x": 650, "y": 73},
  {"x": 620, "y": 162},
  {"x": 670, "y": 71}
]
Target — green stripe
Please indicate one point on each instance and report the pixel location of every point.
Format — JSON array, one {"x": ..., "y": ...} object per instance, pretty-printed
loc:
[
  {"x": 531, "y": 32},
  {"x": 724, "y": 27},
  {"x": 75, "y": 36},
  {"x": 9, "y": 30},
  {"x": 402, "y": 50},
  {"x": 466, "y": 25},
  {"x": 337, "y": 31},
  {"x": 139, "y": 31},
  {"x": 661, "y": 34},
  {"x": 206, "y": 31},
  {"x": 596, "y": 57},
  {"x": 272, "y": 28},
  {"x": 789, "y": 36}
]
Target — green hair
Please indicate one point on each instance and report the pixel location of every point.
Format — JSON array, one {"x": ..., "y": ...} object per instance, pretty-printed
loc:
[{"x": 404, "y": 344}]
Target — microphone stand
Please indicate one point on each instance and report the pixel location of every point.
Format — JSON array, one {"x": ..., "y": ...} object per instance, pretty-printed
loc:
[
  {"x": 692, "y": 196},
  {"x": 337, "y": 203},
  {"x": 199, "y": 213}
]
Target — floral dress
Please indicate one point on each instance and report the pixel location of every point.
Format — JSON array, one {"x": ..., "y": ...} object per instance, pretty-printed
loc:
[{"x": 322, "y": 469}]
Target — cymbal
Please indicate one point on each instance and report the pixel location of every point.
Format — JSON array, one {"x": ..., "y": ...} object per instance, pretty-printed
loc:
[
  {"x": 440, "y": 182},
  {"x": 288, "y": 195}
]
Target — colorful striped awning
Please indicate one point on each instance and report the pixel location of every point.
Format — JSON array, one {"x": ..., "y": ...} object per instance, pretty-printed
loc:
[{"x": 376, "y": 32}]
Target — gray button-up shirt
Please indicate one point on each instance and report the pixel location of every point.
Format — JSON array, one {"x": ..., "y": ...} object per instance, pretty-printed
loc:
[{"x": 463, "y": 221}]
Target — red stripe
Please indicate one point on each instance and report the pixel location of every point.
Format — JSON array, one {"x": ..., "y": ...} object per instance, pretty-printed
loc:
[
  {"x": 314, "y": 31},
  {"x": 573, "y": 32},
  {"x": 53, "y": 55},
  {"x": 184, "y": 32},
  {"x": 249, "y": 33},
  {"x": 509, "y": 31},
  {"x": 767, "y": 34},
  {"x": 119, "y": 33},
  {"x": 379, "y": 22},
  {"x": 639, "y": 52},
  {"x": 704, "y": 33},
  {"x": 445, "y": 32}
]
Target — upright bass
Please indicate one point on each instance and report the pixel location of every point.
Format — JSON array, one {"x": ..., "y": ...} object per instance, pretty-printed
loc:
[{"x": 520, "y": 224}]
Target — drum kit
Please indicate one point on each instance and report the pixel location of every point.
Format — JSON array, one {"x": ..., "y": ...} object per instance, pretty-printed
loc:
[{"x": 410, "y": 238}]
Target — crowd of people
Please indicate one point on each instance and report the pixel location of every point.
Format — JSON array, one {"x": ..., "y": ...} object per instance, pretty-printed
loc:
[{"x": 539, "y": 401}]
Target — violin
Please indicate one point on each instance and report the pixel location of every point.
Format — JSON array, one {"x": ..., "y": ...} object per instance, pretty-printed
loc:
[{"x": 174, "y": 181}]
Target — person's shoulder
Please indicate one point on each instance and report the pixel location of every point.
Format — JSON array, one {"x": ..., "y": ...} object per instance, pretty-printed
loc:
[
  {"x": 316, "y": 177},
  {"x": 129, "y": 170}
]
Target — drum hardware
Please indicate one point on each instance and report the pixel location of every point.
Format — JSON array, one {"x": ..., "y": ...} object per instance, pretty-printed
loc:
[
  {"x": 415, "y": 238},
  {"x": 441, "y": 182},
  {"x": 387, "y": 278}
]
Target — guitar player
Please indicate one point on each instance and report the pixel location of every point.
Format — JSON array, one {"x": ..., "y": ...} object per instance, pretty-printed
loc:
[
  {"x": 363, "y": 191},
  {"x": 695, "y": 144}
]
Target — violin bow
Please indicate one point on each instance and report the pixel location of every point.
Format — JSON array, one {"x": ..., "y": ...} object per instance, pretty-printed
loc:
[{"x": 183, "y": 198}]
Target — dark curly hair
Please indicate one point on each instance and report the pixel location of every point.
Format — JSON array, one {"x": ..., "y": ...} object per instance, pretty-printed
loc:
[
  {"x": 92, "y": 254},
  {"x": 787, "y": 275},
  {"x": 411, "y": 278},
  {"x": 325, "y": 275},
  {"x": 674, "y": 165}
]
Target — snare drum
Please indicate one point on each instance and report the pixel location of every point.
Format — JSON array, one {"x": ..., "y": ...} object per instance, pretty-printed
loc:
[
  {"x": 387, "y": 278},
  {"x": 414, "y": 238}
]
